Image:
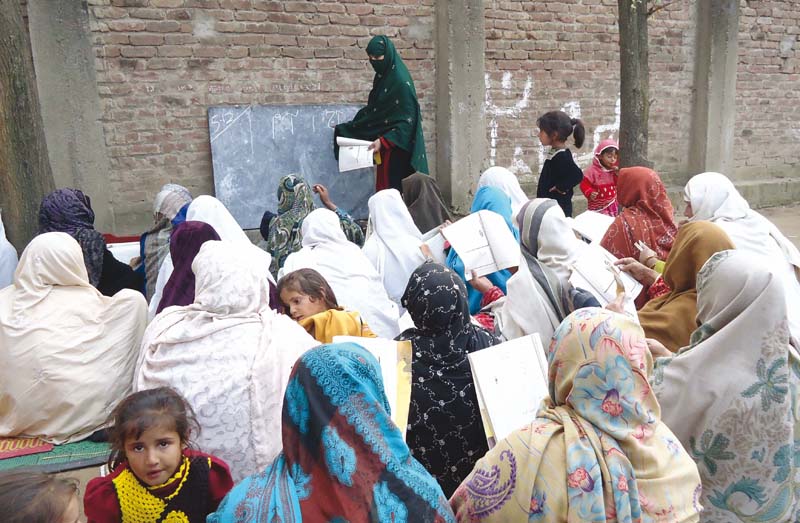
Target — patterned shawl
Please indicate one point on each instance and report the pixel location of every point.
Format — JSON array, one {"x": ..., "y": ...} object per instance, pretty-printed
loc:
[
  {"x": 646, "y": 215},
  {"x": 70, "y": 211},
  {"x": 343, "y": 459},
  {"x": 392, "y": 110},
  {"x": 424, "y": 200},
  {"x": 671, "y": 318},
  {"x": 294, "y": 203},
  {"x": 597, "y": 450},
  {"x": 729, "y": 396},
  {"x": 445, "y": 431},
  {"x": 495, "y": 200},
  {"x": 155, "y": 242},
  {"x": 185, "y": 243}
]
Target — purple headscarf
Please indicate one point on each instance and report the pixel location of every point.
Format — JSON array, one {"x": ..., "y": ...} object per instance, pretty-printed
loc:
[
  {"x": 70, "y": 211},
  {"x": 185, "y": 243}
]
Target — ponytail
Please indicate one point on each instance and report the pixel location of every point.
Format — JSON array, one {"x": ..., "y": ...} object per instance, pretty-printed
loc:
[{"x": 578, "y": 131}]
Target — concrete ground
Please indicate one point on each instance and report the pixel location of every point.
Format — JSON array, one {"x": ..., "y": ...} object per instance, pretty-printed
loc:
[{"x": 786, "y": 218}]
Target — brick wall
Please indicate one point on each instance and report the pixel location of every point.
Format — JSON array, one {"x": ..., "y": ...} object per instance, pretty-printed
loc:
[
  {"x": 162, "y": 63},
  {"x": 768, "y": 89},
  {"x": 565, "y": 55}
]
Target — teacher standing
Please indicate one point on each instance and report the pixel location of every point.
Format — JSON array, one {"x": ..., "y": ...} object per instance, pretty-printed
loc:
[{"x": 391, "y": 119}]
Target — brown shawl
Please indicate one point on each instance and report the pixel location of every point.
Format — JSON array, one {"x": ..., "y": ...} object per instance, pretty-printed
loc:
[
  {"x": 671, "y": 318},
  {"x": 424, "y": 201},
  {"x": 646, "y": 215}
]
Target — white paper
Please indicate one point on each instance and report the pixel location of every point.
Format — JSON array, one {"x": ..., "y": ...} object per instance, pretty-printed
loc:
[
  {"x": 124, "y": 252},
  {"x": 591, "y": 225},
  {"x": 511, "y": 381},
  {"x": 484, "y": 243},
  {"x": 385, "y": 351},
  {"x": 594, "y": 271},
  {"x": 435, "y": 242},
  {"x": 354, "y": 154}
]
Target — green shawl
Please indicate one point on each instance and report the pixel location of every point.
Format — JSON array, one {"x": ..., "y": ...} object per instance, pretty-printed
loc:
[{"x": 392, "y": 109}]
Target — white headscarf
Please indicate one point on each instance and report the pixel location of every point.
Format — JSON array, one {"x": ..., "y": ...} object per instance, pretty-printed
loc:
[
  {"x": 714, "y": 198},
  {"x": 209, "y": 210},
  {"x": 506, "y": 181},
  {"x": 354, "y": 280},
  {"x": 171, "y": 199},
  {"x": 729, "y": 397},
  {"x": 393, "y": 245},
  {"x": 8, "y": 258},
  {"x": 558, "y": 247},
  {"x": 228, "y": 354},
  {"x": 67, "y": 352}
]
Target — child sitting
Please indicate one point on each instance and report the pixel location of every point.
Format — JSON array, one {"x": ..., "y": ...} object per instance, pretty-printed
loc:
[
  {"x": 310, "y": 301},
  {"x": 33, "y": 497},
  {"x": 560, "y": 174},
  {"x": 599, "y": 183},
  {"x": 155, "y": 476}
]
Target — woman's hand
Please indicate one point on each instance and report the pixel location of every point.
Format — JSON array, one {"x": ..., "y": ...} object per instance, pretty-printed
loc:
[
  {"x": 657, "y": 349},
  {"x": 480, "y": 283},
  {"x": 647, "y": 256},
  {"x": 426, "y": 251},
  {"x": 324, "y": 196},
  {"x": 639, "y": 272},
  {"x": 375, "y": 146}
]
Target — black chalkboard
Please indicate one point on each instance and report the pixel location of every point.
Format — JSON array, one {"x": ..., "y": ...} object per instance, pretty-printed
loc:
[{"x": 253, "y": 146}]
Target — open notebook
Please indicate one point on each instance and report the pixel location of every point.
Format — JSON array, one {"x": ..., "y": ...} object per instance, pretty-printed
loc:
[
  {"x": 354, "y": 154},
  {"x": 510, "y": 382},
  {"x": 435, "y": 242},
  {"x": 591, "y": 225},
  {"x": 395, "y": 360},
  {"x": 484, "y": 243},
  {"x": 594, "y": 271}
]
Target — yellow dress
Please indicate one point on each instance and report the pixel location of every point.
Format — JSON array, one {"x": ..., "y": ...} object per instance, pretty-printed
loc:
[{"x": 336, "y": 322}]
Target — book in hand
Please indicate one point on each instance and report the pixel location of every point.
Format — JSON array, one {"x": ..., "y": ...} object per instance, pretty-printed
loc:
[
  {"x": 484, "y": 243},
  {"x": 435, "y": 242},
  {"x": 591, "y": 225},
  {"x": 394, "y": 358},
  {"x": 353, "y": 154},
  {"x": 594, "y": 271},
  {"x": 510, "y": 382}
]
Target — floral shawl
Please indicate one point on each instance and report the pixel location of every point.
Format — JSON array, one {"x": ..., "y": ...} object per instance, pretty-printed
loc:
[
  {"x": 70, "y": 211},
  {"x": 671, "y": 318},
  {"x": 445, "y": 430},
  {"x": 730, "y": 395},
  {"x": 597, "y": 450},
  {"x": 343, "y": 459},
  {"x": 646, "y": 215},
  {"x": 294, "y": 203}
]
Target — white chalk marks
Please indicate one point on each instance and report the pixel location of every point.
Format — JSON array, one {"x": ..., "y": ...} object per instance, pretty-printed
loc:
[
  {"x": 221, "y": 122},
  {"x": 493, "y": 111}
]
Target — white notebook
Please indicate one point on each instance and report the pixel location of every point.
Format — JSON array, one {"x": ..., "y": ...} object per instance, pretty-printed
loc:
[
  {"x": 510, "y": 382},
  {"x": 594, "y": 271},
  {"x": 484, "y": 243},
  {"x": 354, "y": 154}
]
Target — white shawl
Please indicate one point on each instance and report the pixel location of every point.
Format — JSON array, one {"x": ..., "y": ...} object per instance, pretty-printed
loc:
[
  {"x": 506, "y": 181},
  {"x": 209, "y": 210},
  {"x": 8, "y": 258},
  {"x": 229, "y": 354},
  {"x": 393, "y": 245},
  {"x": 354, "y": 280},
  {"x": 729, "y": 396},
  {"x": 714, "y": 198},
  {"x": 67, "y": 352},
  {"x": 558, "y": 247}
]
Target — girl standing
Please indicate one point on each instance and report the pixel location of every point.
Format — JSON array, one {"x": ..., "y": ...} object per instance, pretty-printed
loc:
[
  {"x": 156, "y": 477},
  {"x": 559, "y": 173},
  {"x": 599, "y": 183}
]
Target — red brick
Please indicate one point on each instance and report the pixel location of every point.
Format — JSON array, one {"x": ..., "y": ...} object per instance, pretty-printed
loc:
[
  {"x": 138, "y": 52},
  {"x": 174, "y": 50},
  {"x": 167, "y": 26},
  {"x": 147, "y": 14},
  {"x": 146, "y": 39},
  {"x": 125, "y": 25}
]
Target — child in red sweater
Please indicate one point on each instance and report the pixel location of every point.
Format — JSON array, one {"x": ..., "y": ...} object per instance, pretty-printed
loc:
[{"x": 155, "y": 476}]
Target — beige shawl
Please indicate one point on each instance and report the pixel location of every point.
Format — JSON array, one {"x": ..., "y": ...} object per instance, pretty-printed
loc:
[{"x": 67, "y": 352}]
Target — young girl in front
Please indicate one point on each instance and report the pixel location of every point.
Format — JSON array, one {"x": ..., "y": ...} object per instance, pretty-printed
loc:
[
  {"x": 599, "y": 183},
  {"x": 560, "y": 174},
  {"x": 310, "y": 301},
  {"x": 34, "y": 497},
  {"x": 155, "y": 476}
]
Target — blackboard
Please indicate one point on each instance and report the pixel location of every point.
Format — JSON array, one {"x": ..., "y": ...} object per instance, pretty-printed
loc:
[{"x": 254, "y": 146}]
